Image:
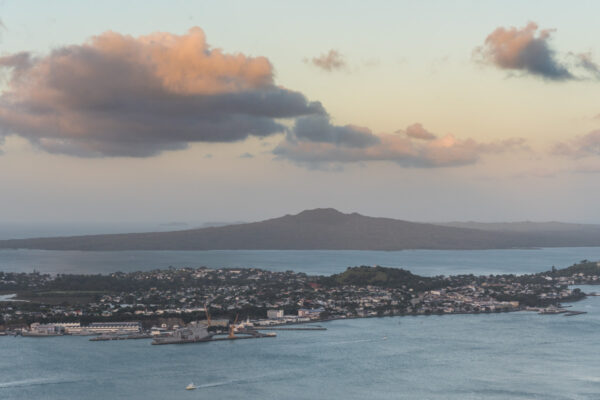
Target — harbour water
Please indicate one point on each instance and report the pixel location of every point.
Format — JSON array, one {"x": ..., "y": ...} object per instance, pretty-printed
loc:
[
  {"x": 490, "y": 356},
  {"x": 520, "y": 355},
  {"x": 323, "y": 262}
]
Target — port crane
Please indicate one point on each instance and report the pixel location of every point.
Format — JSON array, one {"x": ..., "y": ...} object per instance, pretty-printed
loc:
[
  {"x": 232, "y": 327},
  {"x": 208, "y": 322}
]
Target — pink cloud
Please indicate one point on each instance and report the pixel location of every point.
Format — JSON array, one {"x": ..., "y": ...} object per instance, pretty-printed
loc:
[
  {"x": 416, "y": 131},
  {"x": 444, "y": 151},
  {"x": 119, "y": 95},
  {"x": 523, "y": 49}
]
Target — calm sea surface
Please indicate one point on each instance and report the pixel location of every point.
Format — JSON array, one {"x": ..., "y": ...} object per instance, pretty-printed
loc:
[
  {"x": 324, "y": 262},
  {"x": 493, "y": 356}
]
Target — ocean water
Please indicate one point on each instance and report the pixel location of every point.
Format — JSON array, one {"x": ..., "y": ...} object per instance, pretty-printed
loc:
[
  {"x": 493, "y": 356},
  {"x": 487, "y": 356},
  {"x": 323, "y": 262}
]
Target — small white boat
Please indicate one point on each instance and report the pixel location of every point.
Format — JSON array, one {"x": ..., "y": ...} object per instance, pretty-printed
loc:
[{"x": 191, "y": 386}]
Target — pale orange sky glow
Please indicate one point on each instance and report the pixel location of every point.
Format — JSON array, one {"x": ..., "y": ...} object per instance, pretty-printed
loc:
[{"x": 489, "y": 116}]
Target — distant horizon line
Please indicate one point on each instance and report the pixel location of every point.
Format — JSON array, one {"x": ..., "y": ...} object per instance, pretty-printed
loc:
[{"x": 193, "y": 224}]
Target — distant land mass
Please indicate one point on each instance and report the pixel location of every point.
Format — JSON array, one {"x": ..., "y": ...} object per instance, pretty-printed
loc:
[
  {"x": 329, "y": 229},
  {"x": 526, "y": 226}
]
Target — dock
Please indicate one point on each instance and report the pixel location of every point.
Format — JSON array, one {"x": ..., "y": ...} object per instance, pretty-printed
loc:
[
  {"x": 103, "y": 338},
  {"x": 295, "y": 328},
  {"x": 573, "y": 313},
  {"x": 214, "y": 338},
  {"x": 256, "y": 335}
]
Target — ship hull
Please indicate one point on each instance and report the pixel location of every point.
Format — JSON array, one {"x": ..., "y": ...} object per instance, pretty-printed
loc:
[{"x": 181, "y": 341}]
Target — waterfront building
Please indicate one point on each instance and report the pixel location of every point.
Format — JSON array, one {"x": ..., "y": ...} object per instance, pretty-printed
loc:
[
  {"x": 274, "y": 314},
  {"x": 114, "y": 327},
  {"x": 221, "y": 323},
  {"x": 95, "y": 328},
  {"x": 159, "y": 330},
  {"x": 70, "y": 328},
  {"x": 310, "y": 313},
  {"x": 37, "y": 329}
]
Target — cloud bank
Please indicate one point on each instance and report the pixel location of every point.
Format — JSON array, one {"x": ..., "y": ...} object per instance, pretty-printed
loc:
[
  {"x": 119, "y": 95},
  {"x": 579, "y": 147},
  {"x": 326, "y": 146}
]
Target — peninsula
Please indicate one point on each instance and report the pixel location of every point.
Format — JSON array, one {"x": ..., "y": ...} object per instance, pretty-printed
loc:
[{"x": 153, "y": 297}]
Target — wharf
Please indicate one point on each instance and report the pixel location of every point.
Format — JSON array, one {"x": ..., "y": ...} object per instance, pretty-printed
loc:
[
  {"x": 240, "y": 336},
  {"x": 551, "y": 310},
  {"x": 256, "y": 335},
  {"x": 299, "y": 328},
  {"x": 103, "y": 338},
  {"x": 573, "y": 313}
]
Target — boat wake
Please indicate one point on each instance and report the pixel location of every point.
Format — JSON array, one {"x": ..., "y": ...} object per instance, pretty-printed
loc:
[
  {"x": 36, "y": 382},
  {"x": 238, "y": 381}
]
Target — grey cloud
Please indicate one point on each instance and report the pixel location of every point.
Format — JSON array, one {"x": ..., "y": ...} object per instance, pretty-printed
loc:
[
  {"x": 320, "y": 129},
  {"x": 17, "y": 64},
  {"x": 109, "y": 97},
  {"x": 327, "y": 151},
  {"x": 524, "y": 49},
  {"x": 20, "y": 61},
  {"x": 246, "y": 155}
]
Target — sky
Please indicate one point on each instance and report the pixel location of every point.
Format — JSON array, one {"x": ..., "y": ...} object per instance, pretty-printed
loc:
[{"x": 198, "y": 111}]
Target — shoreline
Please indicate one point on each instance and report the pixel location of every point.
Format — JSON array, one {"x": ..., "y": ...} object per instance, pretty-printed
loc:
[
  {"x": 282, "y": 326},
  {"x": 172, "y": 296}
]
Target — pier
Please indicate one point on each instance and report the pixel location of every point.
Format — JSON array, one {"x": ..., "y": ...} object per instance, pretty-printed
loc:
[
  {"x": 295, "y": 328},
  {"x": 573, "y": 313},
  {"x": 103, "y": 338},
  {"x": 215, "y": 338},
  {"x": 254, "y": 335}
]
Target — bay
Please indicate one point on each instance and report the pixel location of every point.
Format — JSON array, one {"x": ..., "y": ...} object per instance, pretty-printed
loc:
[
  {"x": 519, "y": 355},
  {"x": 322, "y": 262},
  {"x": 493, "y": 356}
]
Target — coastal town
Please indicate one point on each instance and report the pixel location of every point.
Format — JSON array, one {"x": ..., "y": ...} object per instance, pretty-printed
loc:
[{"x": 160, "y": 301}]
